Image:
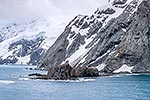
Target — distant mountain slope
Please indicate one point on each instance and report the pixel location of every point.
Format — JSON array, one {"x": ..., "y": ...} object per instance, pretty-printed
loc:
[
  {"x": 25, "y": 42},
  {"x": 112, "y": 38}
]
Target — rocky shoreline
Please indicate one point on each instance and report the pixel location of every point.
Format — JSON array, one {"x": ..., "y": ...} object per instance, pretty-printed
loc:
[{"x": 65, "y": 72}]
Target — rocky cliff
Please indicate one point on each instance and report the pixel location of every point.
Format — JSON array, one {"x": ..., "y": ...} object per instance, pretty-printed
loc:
[
  {"x": 134, "y": 49},
  {"x": 116, "y": 35}
]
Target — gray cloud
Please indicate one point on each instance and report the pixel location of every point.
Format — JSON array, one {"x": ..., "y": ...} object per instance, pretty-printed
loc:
[{"x": 56, "y": 9}]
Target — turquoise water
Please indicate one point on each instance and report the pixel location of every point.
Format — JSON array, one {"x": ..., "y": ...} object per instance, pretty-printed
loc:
[{"x": 123, "y": 87}]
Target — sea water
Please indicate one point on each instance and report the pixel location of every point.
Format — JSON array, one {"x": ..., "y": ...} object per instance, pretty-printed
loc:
[{"x": 15, "y": 85}]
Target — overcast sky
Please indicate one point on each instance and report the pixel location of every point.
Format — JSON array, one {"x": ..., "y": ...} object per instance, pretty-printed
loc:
[{"x": 56, "y": 9}]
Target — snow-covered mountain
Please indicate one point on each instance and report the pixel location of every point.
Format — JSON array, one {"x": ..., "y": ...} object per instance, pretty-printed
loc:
[
  {"x": 114, "y": 38},
  {"x": 97, "y": 40},
  {"x": 25, "y": 42}
]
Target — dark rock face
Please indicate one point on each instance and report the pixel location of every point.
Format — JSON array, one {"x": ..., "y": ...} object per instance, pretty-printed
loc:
[
  {"x": 36, "y": 56},
  {"x": 36, "y": 74},
  {"x": 134, "y": 50},
  {"x": 79, "y": 40},
  {"x": 119, "y": 2},
  {"x": 9, "y": 60},
  {"x": 57, "y": 54},
  {"x": 109, "y": 11},
  {"x": 65, "y": 71}
]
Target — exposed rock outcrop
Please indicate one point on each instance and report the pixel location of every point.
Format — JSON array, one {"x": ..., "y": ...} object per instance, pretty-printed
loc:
[{"x": 65, "y": 71}]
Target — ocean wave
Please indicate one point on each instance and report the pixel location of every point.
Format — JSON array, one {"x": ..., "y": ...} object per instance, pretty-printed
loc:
[{"x": 6, "y": 82}]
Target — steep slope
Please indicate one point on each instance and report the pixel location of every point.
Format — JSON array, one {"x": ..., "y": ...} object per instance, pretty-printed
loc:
[
  {"x": 25, "y": 42},
  {"x": 91, "y": 40},
  {"x": 134, "y": 49}
]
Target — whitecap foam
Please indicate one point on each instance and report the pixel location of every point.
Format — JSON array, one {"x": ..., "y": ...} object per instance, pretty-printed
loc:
[
  {"x": 115, "y": 76},
  {"x": 74, "y": 81},
  {"x": 132, "y": 74},
  {"x": 121, "y": 75},
  {"x": 86, "y": 80},
  {"x": 6, "y": 82}
]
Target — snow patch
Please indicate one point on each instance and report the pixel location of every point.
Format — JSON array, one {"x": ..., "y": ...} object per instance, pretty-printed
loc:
[
  {"x": 80, "y": 53},
  {"x": 101, "y": 66},
  {"x": 124, "y": 30},
  {"x": 23, "y": 60},
  {"x": 70, "y": 41},
  {"x": 124, "y": 68}
]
